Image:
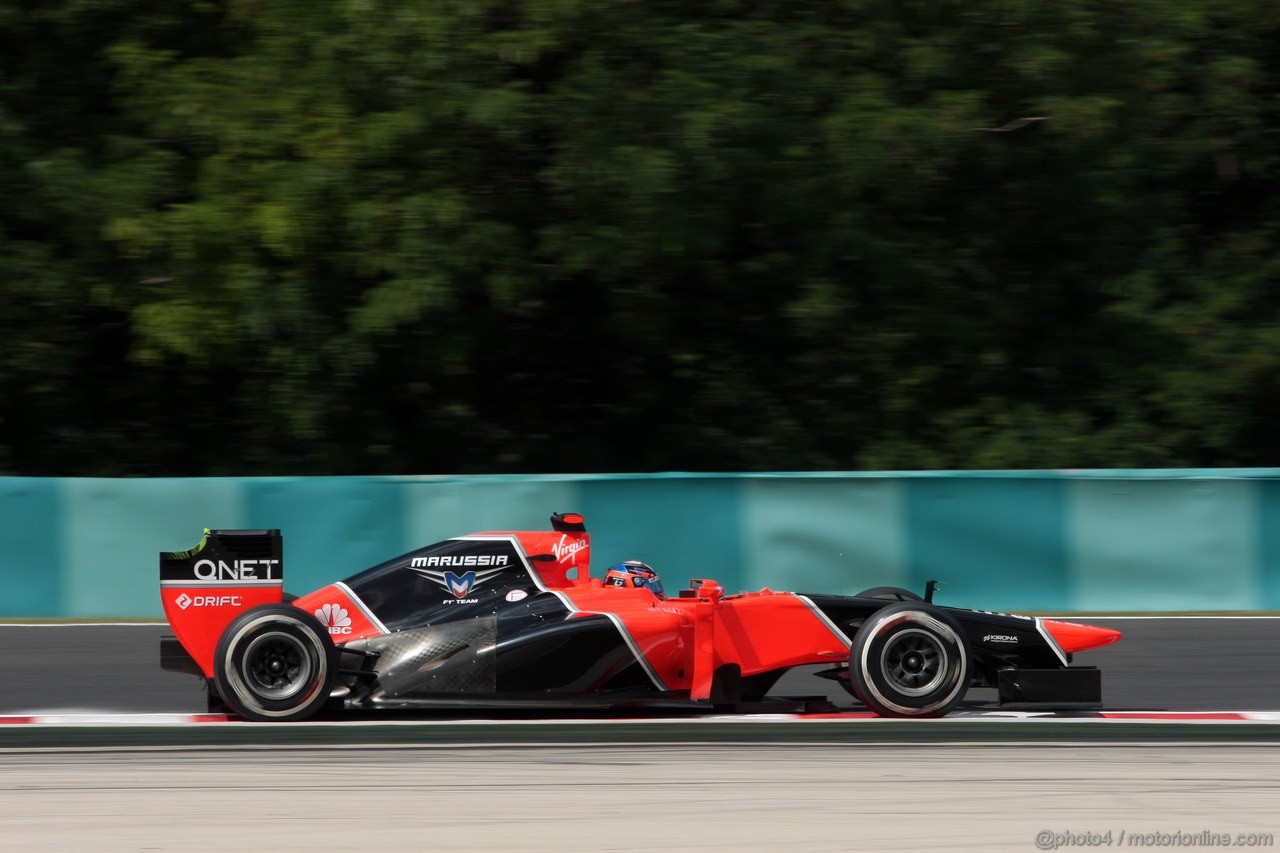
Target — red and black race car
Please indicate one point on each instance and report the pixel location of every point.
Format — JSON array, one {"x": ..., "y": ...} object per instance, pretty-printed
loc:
[{"x": 502, "y": 619}]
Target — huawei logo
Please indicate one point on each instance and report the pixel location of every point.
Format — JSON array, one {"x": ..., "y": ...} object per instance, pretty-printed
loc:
[{"x": 336, "y": 618}]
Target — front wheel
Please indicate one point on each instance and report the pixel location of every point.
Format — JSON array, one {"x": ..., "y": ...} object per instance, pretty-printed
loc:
[
  {"x": 892, "y": 593},
  {"x": 275, "y": 663},
  {"x": 910, "y": 659}
]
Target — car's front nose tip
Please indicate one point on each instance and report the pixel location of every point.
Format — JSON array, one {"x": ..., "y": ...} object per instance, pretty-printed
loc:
[{"x": 1074, "y": 637}]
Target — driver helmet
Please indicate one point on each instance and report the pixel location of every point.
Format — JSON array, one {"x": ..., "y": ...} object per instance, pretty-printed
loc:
[{"x": 633, "y": 573}]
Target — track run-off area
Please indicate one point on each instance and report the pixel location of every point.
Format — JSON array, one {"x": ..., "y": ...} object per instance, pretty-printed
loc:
[
  {"x": 639, "y": 797},
  {"x": 1186, "y": 752}
]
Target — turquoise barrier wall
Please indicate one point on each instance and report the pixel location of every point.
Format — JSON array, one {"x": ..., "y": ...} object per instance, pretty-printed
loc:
[{"x": 1085, "y": 540}]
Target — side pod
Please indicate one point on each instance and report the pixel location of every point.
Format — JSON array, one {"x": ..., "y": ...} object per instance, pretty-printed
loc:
[{"x": 203, "y": 589}]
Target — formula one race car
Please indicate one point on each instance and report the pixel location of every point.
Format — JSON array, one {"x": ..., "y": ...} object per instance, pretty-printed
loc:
[{"x": 492, "y": 620}]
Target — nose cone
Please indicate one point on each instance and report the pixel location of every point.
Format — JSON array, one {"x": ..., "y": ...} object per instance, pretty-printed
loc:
[{"x": 1074, "y": 637}]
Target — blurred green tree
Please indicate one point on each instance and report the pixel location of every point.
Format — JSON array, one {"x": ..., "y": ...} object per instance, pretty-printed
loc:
[{"x": 540, "y": 235}]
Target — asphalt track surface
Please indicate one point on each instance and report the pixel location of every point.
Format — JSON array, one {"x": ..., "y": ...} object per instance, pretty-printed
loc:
[
  {"x": 1174, "y": 664},
  {"x": 687, "y": 798},
  {"x": 647, "y": 796}
]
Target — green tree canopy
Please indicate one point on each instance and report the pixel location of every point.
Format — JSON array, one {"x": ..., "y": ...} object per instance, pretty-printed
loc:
[{"x": 556, "y": 235}]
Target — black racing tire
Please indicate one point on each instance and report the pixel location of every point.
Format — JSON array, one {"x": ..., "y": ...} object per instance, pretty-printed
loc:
[
  {"x": 910, "y": 659},
  {"x": 893, "y": 593},
  {"x": 213, "y": 702},
  {"x": 275, "y": 663}
]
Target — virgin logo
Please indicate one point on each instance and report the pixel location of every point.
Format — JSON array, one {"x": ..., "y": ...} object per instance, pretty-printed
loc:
[{"x": 564, "y": 551}]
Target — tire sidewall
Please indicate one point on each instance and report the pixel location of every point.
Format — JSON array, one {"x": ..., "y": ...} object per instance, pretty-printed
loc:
[
  {"x": 889, "y": 593},
  {"x": 878, "y": 691},
  {"x": 292, "y": 626}
]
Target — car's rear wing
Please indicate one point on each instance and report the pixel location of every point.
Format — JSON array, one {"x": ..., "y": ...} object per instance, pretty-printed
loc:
[{"x": 203, "y": 589}]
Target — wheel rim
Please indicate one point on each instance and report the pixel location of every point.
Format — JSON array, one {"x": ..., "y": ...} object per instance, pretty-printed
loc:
[
  {"x": 277, "y": 665},
  {"x": 914, "y": 662}
]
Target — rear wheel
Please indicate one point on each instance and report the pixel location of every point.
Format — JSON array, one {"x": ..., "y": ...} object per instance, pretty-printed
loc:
[
  {"x": 275, "y": 663},
  {"x": 893, "y": 593},
  {"x": 910, "y": 659}
]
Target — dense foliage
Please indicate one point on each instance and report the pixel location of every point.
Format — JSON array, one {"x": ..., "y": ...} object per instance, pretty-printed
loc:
[{"x": 395, "y": 236}]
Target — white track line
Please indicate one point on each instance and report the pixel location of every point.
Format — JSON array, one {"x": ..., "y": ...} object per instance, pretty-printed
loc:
[
  {"x": 1069, "y": 617},
  {"x": 982, "y": 717},
  {"x": 81, "y": 624}
]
